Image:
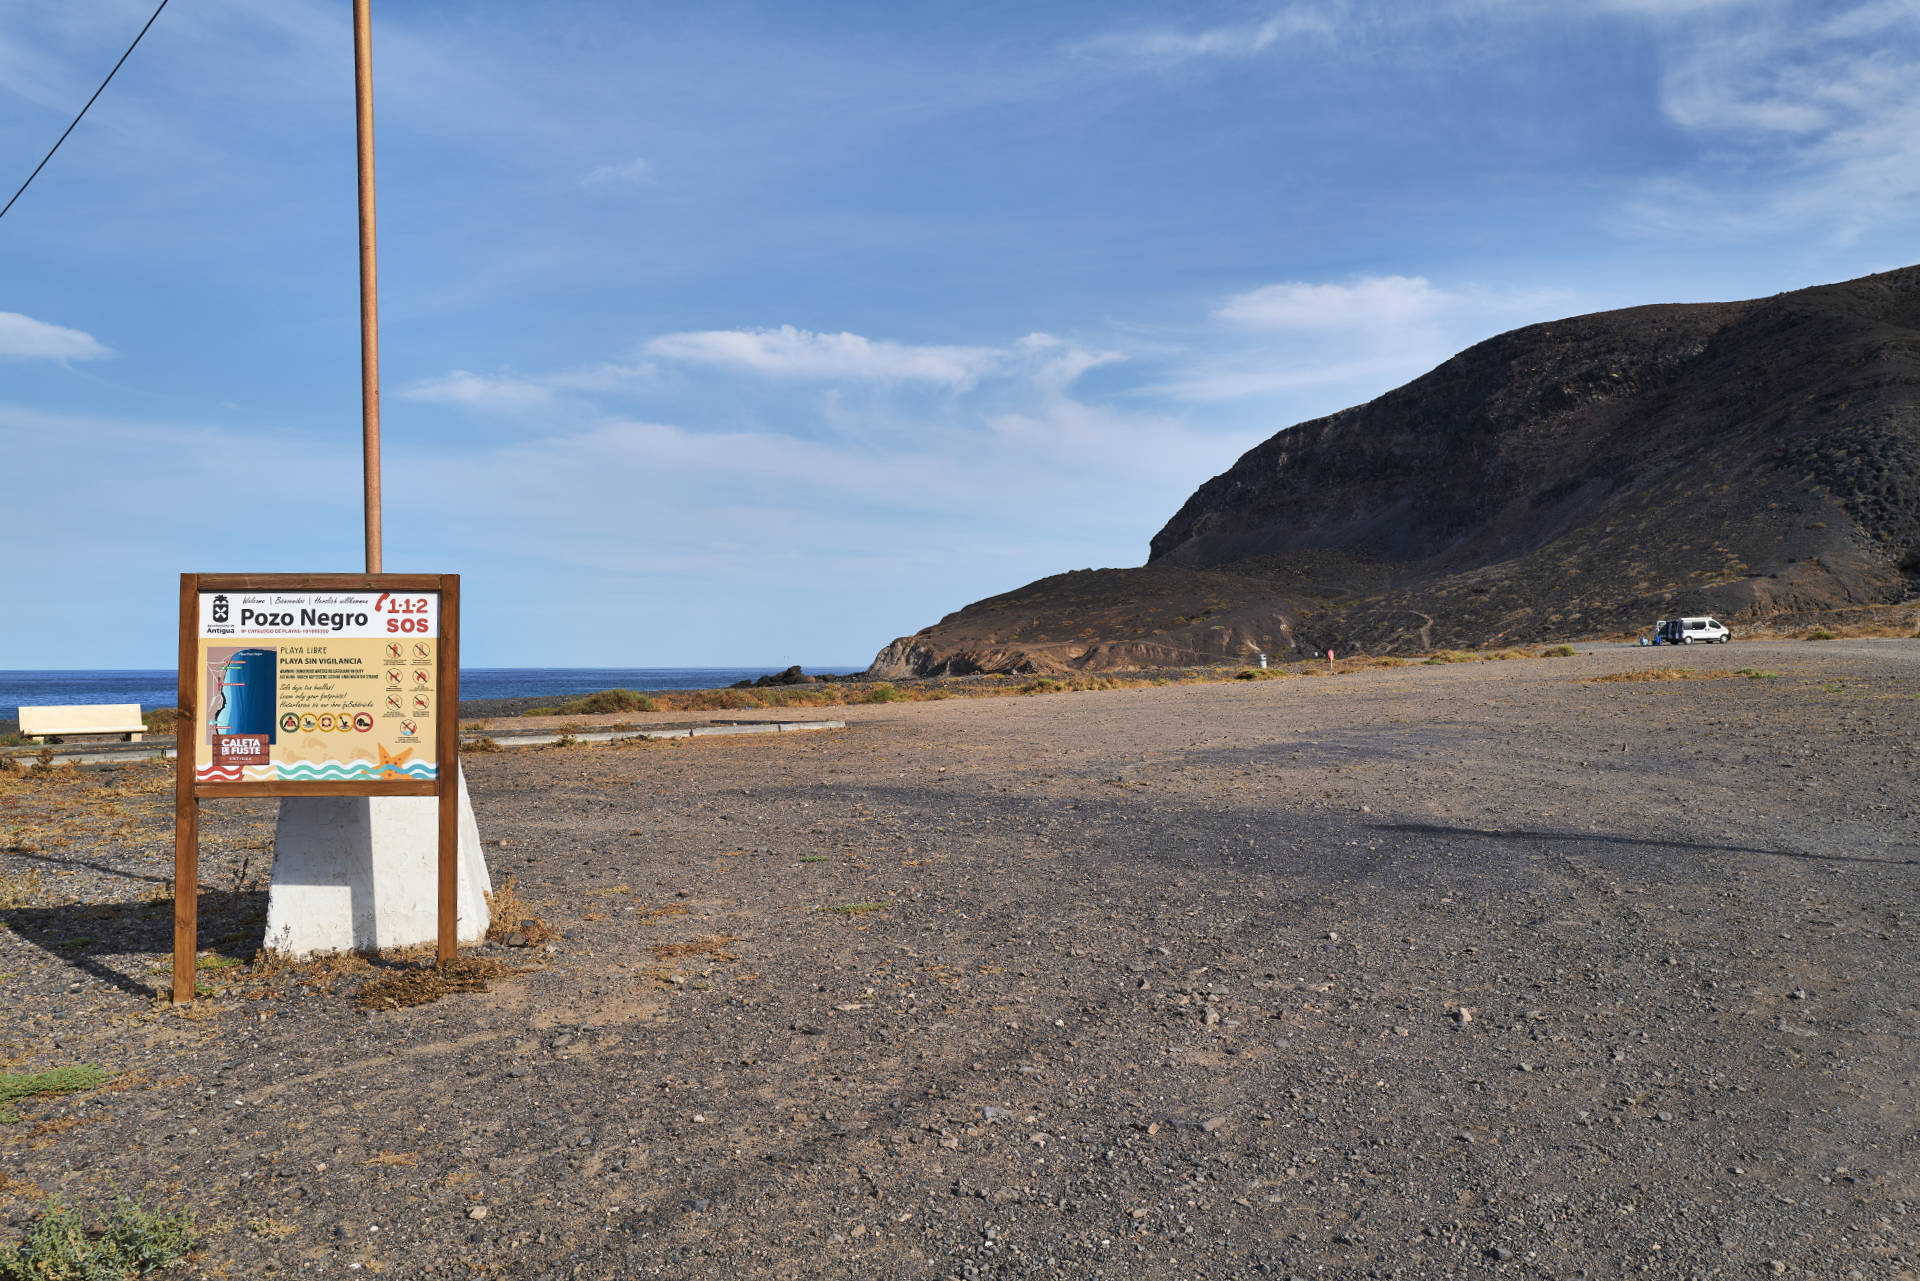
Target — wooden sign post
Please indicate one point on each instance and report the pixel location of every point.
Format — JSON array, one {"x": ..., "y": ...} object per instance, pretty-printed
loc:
[{"x": 315, "y": 685}]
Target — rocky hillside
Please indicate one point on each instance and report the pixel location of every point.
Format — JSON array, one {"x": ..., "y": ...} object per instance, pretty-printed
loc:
[{"x": 1752, "y": 460}]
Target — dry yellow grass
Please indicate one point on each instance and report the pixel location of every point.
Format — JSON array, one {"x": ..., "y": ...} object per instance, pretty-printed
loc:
[
  {"x": 1664, "y": 674},
  {"x": 420, "y": 984},
  {"x": 17, "y": 889},
  {"x": 508, "y": 914},
  {"x": 392, "y": 1158},
  {"x": 715, "y": 948}
]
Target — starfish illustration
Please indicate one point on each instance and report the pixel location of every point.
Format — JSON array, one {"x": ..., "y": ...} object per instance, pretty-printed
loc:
[{"x": 390, "y": 762}]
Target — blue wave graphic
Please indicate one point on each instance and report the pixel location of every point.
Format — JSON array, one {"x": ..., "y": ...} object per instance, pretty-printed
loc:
[{"x": 356, "y": 772}]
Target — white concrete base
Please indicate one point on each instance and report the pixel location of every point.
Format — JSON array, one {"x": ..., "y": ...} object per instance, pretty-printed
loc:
[{"x": 359, "y": 873}]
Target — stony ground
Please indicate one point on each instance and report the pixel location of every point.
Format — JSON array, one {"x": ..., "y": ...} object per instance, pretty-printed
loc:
[{"x": 1471, "y": 970}]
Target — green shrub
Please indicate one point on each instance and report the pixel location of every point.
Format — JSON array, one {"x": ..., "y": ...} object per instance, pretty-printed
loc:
[
  {"x": 1818, "y": 633},
  {"x": 133, "y": 1241},
  {"x": 1559, "y": 651},
  {"x": 720, "y": 700},
  {"x": 608, "y": 700},
  {"x": 15, "y": 1086},
  {"x": 797, "y": 696},
  {"x": 884, "y": 692}
]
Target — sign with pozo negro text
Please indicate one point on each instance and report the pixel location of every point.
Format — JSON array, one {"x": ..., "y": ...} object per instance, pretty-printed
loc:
[{"x": 317, "y": 687}]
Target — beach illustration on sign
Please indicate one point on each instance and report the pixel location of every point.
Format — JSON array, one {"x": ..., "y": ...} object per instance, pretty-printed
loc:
[{"x": 242, "y": 690}]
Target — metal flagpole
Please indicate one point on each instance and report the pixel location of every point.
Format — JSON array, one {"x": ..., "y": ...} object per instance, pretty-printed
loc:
[{"x": 369, "y": 301}]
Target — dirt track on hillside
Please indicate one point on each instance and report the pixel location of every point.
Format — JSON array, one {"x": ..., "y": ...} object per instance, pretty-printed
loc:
[{"x": 1147, "y": 983}]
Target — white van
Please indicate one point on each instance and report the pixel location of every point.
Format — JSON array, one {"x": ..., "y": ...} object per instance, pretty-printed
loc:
[{"x": 1691, "y": 631}]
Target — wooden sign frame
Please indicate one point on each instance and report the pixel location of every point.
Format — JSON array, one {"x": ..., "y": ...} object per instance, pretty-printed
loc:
[{"x": 189, "y": 791}]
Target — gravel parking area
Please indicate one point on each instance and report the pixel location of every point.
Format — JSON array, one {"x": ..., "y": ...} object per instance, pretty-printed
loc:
[{"x": 1490, "y": 969}]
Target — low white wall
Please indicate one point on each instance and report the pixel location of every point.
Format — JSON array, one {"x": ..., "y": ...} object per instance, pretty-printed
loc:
[{"x": 360, "y": 873}]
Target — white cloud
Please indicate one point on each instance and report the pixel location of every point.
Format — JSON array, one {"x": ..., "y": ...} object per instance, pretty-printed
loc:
[
  {"x": 513, "y": 394},
  {"x": 788, "y": 352},
  {"x": 830, "y": 480},
  {"x": 1672, "y": 8},
  {"x": 1322, "y": 345},
  {"x": 1805, "y": 115},
  {"x": 25, "y": 338},
  {"x": 726, "y": 503},
  {"x": 1166, "y": 45},
  {"x": 1060, "y": 363},
  {"x": 1238, "y": 377},
  {"x": 627, "y": 171},
  {"x": 1366, "y": 302},
  {"x": 1039, "y": 366},
  {"x": 605, "y": 376},
  {"x": 496, "y": 395}
]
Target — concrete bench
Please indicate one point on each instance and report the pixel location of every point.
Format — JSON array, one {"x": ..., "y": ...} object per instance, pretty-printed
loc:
[{"x": 42, "y": 723}]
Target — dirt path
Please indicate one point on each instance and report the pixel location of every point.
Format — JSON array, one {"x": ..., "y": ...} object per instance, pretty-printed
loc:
[{"x": 1149, "y": 983}]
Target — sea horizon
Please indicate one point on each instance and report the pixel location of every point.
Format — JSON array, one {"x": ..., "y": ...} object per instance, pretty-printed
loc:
[{"x": 156, "y": 687}]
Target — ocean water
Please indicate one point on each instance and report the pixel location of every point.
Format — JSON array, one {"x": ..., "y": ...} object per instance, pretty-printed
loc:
[{"x": 153, "y": 689}]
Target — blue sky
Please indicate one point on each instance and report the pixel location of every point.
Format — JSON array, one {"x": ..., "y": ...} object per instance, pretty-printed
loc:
[{"x": 746, "y": 333}]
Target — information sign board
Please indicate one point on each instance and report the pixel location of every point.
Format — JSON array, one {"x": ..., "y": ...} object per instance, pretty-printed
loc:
[
  {"x": 315, "y": 685},
  {"x": 305, "y": 686}
]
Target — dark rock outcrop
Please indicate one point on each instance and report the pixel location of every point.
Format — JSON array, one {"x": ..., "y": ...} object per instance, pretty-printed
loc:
[
  {"x": 1750, "y": 459},
  {"x": 791, "y": 676}
]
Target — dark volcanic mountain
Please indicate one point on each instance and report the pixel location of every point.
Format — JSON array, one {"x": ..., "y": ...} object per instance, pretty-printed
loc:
[{"x": 1753, "y": 460}]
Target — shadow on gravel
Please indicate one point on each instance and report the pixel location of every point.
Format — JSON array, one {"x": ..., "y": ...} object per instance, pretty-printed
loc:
[
  {"x": 140, "y": 934},
  {"x": 1598, "y": 838},
  {"x": 120, "y": 872}
]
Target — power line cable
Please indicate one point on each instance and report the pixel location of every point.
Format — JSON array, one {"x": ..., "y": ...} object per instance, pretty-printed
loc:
[{"x": 83, "y": 111}]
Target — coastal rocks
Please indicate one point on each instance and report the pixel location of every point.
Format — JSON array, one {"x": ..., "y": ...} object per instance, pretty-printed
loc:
[
  {"x": 1156, "y": 616},
  {"x": 791, "y": 676}
]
